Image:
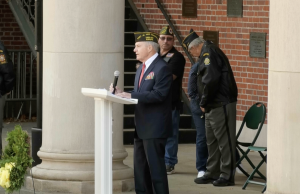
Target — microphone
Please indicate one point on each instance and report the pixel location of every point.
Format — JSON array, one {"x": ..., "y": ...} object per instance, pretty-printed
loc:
[{"x": 116, "y": 73}]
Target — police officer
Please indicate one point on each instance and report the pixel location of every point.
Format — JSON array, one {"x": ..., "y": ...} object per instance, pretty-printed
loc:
[
  {"x": 7, "y": 82},
  {"x": 218, "y": 96},
  {"x": 176, "y": 61}
]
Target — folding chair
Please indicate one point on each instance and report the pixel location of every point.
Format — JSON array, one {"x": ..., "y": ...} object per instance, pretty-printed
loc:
[
  {"x": 264, "y": 159},
  {"x": 254, "y": 120}
]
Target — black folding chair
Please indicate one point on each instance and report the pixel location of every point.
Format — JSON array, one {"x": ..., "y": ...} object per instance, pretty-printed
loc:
[{"x": 254, "y": 120}]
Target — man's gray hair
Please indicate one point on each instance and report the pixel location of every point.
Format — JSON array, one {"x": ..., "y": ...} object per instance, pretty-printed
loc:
[
  {"x": 153, "y": 44},
  {"x": 196, "y": 42}
]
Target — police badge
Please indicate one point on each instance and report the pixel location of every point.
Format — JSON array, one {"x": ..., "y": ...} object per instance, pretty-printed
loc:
[
  {"x": 2, "y": 59},
  {"x": 206, "y": 61}
]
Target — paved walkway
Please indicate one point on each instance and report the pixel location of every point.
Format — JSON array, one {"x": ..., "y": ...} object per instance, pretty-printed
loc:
[{"x": 182, "y": 182}]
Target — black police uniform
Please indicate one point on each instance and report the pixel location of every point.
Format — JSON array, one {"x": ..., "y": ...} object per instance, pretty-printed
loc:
[
  {"x": 7, "y": 82},
  {"x": 218, "y": 95}
]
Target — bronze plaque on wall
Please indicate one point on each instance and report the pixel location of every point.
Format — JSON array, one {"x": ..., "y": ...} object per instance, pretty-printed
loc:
[
  {"x": 234, "y": 8},
  {"x": 257, "y": 45},
  {"x": 189, "y": 8},
  {"x": 212, "y": 36}
]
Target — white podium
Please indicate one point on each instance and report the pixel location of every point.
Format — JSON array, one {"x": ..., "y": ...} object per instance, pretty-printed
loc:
[{"x": 103, "y": 136}]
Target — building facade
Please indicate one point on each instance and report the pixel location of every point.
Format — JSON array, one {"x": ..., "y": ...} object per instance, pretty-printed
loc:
[{"x": 273, "y": 82}]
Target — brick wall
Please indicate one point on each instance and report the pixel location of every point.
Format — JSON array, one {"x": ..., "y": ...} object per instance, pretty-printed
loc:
[
  {"x": 251, "y": 74},
  {"x": 10, "y": 32}
]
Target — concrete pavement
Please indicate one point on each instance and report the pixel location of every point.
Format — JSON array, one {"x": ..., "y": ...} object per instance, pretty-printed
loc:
[{"x": 182, "y": 182}]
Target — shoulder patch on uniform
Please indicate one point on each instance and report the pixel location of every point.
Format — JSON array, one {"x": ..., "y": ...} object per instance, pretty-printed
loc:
[
  {"x": 206, "y": 61},
  {"x": 170, "y": 55},
  {"x": 2, "y": 59},
  {"x": 205, "y": 54}
]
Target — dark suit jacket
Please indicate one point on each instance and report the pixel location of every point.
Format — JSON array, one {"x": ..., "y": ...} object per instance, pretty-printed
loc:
[{"x": 153, "y": 113}]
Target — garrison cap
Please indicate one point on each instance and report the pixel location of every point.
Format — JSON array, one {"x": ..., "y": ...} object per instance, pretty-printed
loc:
[
  {"x": 146, "y": 36},
  {"x": 166, "y": 30},
  {"x": 189, "y": 38}
]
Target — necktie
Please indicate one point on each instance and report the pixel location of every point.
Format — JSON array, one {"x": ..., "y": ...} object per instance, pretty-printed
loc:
[{"x": 142, "y": 73}]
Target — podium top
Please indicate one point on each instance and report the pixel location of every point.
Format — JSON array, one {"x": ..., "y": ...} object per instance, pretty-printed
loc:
[{"x": 106, "y": 95}]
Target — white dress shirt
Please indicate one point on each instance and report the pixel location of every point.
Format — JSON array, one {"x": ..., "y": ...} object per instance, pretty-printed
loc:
[{"x": 149, "y": 61}]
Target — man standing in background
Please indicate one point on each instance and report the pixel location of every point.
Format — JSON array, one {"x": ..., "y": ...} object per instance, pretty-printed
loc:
[
  {"x": 199, "y": 121},
  {"x": 7, "y": 82},
  {"x": 218, "y": 96},
  {"x": 176, "y": 62}
]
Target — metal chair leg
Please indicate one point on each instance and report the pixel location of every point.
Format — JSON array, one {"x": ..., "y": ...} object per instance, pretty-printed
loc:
[
  {"x": 244, "y": 154},
  {"x": 252, "y": 174},
  {"x": 253, "y": 166},
  {"x": 265, "y": 188}
]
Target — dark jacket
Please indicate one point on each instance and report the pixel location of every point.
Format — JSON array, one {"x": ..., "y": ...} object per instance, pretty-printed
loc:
[
  {"x": 216, "y": 83},
  {"x": 153, "y": 113},
  {"x": 176, "y": 61},
  {"x": 7, "y": 75}
]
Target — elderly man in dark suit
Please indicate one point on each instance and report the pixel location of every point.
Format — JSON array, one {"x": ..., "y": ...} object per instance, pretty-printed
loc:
[{"x": 153, "y": 115}]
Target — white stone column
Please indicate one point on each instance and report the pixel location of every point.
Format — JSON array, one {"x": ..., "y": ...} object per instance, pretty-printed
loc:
[
  {"x": 83, "y": 46},
  {"x": 284, "y": 93}
]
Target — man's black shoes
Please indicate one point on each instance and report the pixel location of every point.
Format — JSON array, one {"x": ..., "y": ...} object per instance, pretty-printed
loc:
[
  {"x": 204, "y": 180},
  {"x": 221, "y": 182}
]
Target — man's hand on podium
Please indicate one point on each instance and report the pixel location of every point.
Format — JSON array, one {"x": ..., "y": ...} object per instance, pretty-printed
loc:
[
  {"x": 111, "y": 89},
  {"x": 124, "y": 95},
  {"x": 119, "y": 92}
]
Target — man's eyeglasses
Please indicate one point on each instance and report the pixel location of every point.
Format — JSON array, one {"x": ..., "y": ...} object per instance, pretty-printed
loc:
[{"x": 168, "y": 38}]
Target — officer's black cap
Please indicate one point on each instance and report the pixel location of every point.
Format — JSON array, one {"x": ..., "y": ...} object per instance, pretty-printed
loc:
[
  {"x": 189, "y": 38},
  {"x": 166, "y": 30},
  {"x": 146, "y": 36}
]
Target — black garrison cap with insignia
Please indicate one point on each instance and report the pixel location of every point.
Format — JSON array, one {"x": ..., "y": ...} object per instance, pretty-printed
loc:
[
  {"x": 189, "y": 38},
  {"x": 146, "y": 36},
  {"x": 166, "y": 30}
]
